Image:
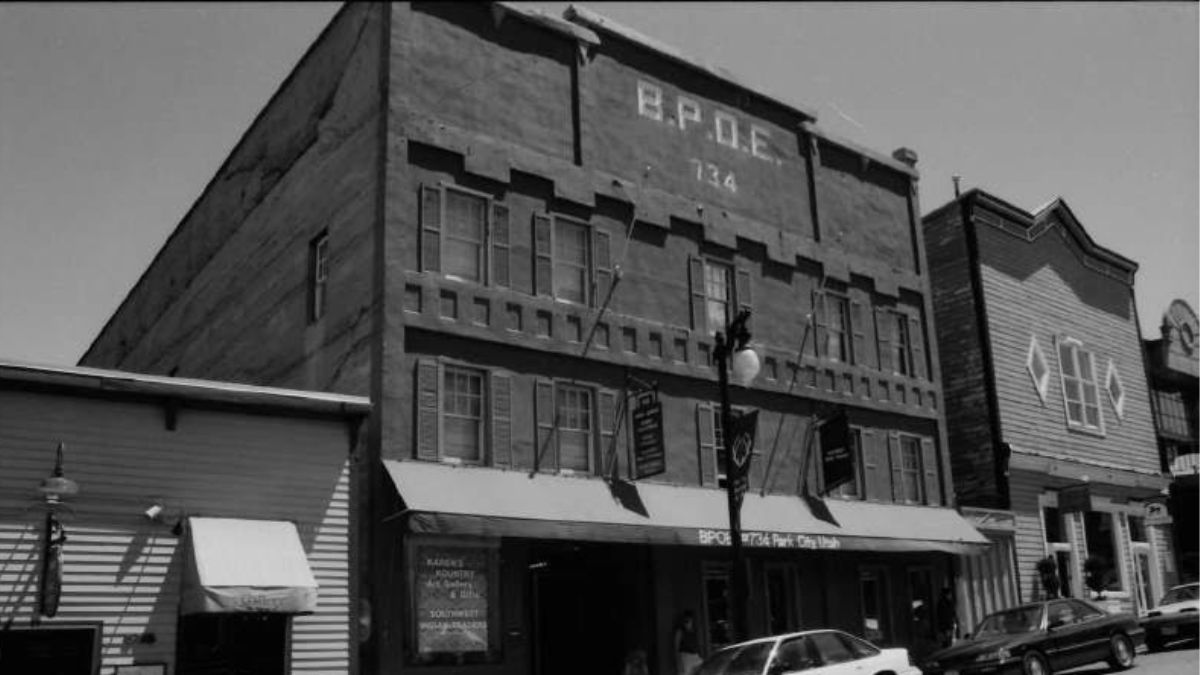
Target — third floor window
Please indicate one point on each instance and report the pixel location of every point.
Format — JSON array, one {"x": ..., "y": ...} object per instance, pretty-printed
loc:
[{"x": 464, "y": 234}]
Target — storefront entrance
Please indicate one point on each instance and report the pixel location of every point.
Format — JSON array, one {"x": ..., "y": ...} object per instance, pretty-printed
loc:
[
  {"x": 592, "y": 604},
  {"x": 232, "y": 644}
]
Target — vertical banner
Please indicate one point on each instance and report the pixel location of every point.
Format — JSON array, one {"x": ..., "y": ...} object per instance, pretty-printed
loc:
[
  {"x": 743, "y": 429},
  {"x": 837, "y": 460}
]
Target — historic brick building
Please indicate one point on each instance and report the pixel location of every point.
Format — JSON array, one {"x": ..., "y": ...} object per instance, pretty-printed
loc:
[
  {"x": 1048, "y": 409},
  {"x": 1174, "y": 368},
  {"x": 503, "y": 225}
]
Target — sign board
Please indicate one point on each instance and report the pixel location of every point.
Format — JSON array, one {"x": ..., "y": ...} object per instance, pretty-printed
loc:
[
  {"x": 649, "y": 453},
  {"x": 1075, "y": 498},
  {"x": 51, "y": 648},
  {"x": 742, "y": 430},
  {"x": 837, "y": 459},
  {"x": 791, "y": 540},
  {"x": 452, "y": 597},
  {"x": 1157, "y": 513}
]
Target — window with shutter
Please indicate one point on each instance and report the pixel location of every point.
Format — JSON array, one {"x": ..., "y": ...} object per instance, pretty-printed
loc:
[
  {"x": 1080, "y": 393},
  {"x": 706, "y": 444},
  {"x": 572, "y": 260},
  {"x": 465, "y": 235},
  {"x": 428, "y": 403},
  {"x": 462, "y": 414},
  {"x": 546, "y": 452},
  {"x": 501, "y": 444},
  {"x": 501, "y": 246},
  {"x": 883, "y": 339},
  {"x": 916, "y": 341},
  {"x": 930, "y": 464},
  {"x": 821, "y": 329},
  {"x": 875, "y": 466},
  {"x": 858, "y": 329}
]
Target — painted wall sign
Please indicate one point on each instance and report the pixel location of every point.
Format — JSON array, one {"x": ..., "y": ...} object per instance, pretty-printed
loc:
[
  {"x": 649, "y": 452},
  {"x": 699, "y": 139},
  {"x": 452, "y": 597},
  {"x": 812, "y": 542}
]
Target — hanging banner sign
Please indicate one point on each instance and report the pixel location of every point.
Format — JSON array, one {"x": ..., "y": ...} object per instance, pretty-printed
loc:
[
  {"x": 837, "y": 462},
  {"x": 649, "y": 452},
  {"x": 743, "y": 429}
]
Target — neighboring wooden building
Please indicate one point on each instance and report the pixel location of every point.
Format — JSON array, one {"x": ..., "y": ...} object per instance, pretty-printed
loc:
[
  {"x": 498, "y": 224},
  {"x": 1174, "y": 367},
  {"x": 210, "y": 531},
  {"x": 1046, "y": 396}
]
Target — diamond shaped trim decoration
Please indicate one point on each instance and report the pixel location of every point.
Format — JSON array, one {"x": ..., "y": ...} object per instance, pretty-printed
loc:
[
  {"x": 1035, "y": 363},
  {"x": 1116, "y": 391}
]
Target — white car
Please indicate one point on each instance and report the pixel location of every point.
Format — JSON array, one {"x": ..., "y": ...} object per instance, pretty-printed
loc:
[
  {"x": 814, "y": 652},
  {"x": 1176, "y": 616}
]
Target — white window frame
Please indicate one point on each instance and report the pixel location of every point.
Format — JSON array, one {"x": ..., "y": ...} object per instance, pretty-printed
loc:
[
  {"x": 589, "y": 264},
  {"x": 1070, "y": 546},
  {"x": 1076, "y": 346},
  {"x": 484, "y": 407},
  {"x": 897, "y": 491},
  {"x": 730, "y": 292},
  {"x": 1118, "y": 402},
  {"x": 1042, "y": 384},
  {"x": 592, "y": 431}
]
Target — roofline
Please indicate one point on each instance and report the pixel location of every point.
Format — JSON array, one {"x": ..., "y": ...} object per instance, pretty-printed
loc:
[
  {"x": 115, "y": 382},
  {"x": 602, "y": 24},
  {"x": 554, "y": 23},
  {"x": 1025, "y": 219},
  {"x": 220, "y": 172},
  {"x": 873, "y": 155}
]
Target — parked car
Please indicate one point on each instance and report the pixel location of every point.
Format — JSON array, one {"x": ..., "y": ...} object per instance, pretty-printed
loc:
[
  {"x": 1176, "y": 617},
  {"x": 1040, "y": 638},
  {"x": 814, "y": 652}
]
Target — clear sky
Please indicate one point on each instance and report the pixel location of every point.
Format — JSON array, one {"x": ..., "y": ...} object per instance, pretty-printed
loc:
[{"x": 113, "y": 118}]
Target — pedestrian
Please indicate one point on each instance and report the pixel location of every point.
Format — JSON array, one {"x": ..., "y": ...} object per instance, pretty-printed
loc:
[
  {"x": 687, "y": 644},
  {"x": 947, "y": 618}
]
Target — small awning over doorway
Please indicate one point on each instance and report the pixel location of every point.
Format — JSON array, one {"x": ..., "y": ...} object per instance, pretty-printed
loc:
[
  {"x": 477, "y": 501},
  {"x": 236, "y": 565}
]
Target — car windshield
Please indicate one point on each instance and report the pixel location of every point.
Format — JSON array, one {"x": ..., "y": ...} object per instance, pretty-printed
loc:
[
  {"x": 1011, "y": 622},
  {"x": 1181, "y": 594}
]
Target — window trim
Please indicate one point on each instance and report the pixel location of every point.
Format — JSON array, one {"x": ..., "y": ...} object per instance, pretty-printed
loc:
[
  {"x": 589, "y": 265},
  {"x": 485, "y": 399},
  {"x": 919, "y": 473},
  {"x": 1076, "y": 346},
  {"x": 591, "y": 433}
]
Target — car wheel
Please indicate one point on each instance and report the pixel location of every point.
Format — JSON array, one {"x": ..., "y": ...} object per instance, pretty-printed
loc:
[
  {"x": 1120, "y": 651},
  {"x": 1034, "y": 664}
]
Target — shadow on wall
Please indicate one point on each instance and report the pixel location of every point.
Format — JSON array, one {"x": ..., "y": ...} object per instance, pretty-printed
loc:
[{"x": 21, "y": 566}]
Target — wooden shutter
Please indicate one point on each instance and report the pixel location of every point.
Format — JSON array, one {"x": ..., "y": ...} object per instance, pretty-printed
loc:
[
  {"x": 874, "y": 460},
  {"x": 883, "y": 339},
  {"x": 929, "y": 465},
  {"x": 858, "y": 325},
  {"x": 501, "y": 246},
  {"x": 431, "y": 228},
  {"x": 916, "y": 341},
  {"x": 429, "y": 403},
  {"x": 821, "y": 332},
  {"x": 897, "y": 461},
  {"x": 501, "y": 392},
  {"x": 696, "y": 284},
  {"x": 546, "y": 457},
  {"x": 706, "y": 444},
  {"x": 602, "y": 248},
  {"x": 745, "y": 296},
  {"x": 607, "y": 414}
]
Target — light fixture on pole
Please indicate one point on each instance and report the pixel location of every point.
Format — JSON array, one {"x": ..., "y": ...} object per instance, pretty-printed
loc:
[
  {"x": 732, "y": 353},
  {"x": 53, "y": 489}
]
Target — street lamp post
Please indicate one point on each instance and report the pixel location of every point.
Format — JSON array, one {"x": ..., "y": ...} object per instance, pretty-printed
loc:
[{"x": 731, "y": 353}]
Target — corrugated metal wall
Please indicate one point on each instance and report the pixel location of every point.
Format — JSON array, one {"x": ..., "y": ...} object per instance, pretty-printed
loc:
[
  {"x": 987, "y": 582},
  {"x": 123, "y": 569}
]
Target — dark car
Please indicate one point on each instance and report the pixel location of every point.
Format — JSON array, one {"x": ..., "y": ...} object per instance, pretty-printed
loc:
[
  {"x": 1176, "y": 617},
  {"x": 1040, "y": 638}
]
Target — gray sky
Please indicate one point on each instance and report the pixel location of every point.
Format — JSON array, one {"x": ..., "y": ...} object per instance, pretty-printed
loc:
[{"x": 113, "y": 118}]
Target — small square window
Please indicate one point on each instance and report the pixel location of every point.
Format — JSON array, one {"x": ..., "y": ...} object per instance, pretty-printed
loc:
[
  {"x": 1035, "y": 363},
  {"x": 1116, "y": 392}
]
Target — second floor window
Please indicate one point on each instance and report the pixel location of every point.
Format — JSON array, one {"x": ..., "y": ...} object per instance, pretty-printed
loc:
[
  {"x": 1080, "y": 393},
  {"x": 570, "y": 260},
  {"x": 318, "y": 275},
  {"x": 718, "y": 291},
  {"x": 907, "y": 481},
  {"x": 462, "y": 414},
  {"x": 839, "y": 328},
  {"x": 464, "y": 234}
]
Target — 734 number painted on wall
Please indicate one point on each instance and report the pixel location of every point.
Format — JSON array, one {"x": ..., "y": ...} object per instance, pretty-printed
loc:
[{"x": 707, "y": 172}]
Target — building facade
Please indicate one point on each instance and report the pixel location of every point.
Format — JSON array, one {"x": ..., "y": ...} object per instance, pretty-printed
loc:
[
  {"x": 1050, "y": 425},
  {"x": 184, "y": 526},
  {"x": 518, "y": 233},
  {"x": 1174, "y": 368}
]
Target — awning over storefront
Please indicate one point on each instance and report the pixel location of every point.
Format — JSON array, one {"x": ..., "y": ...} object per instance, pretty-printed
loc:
[
  {"x": 246, "y": 566},
  {"x": 488, "y": 502}
]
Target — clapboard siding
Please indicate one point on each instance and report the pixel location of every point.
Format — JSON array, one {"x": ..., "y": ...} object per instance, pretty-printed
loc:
[
  {"x": 124, "y": 570},
  {"x": 1056, "y": 299}
]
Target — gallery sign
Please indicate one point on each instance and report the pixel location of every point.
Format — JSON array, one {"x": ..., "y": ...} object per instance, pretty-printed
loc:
[
  {"x": 649, "y": 452},
  {"x": 452, "y": 596}
]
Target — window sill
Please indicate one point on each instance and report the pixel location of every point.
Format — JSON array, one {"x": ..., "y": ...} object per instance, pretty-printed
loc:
[{"x": 1087, "y": 431}]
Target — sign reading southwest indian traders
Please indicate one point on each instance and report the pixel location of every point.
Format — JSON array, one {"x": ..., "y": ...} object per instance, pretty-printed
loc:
[
  {"x": 452, "y": 599},
  {"x": 700, "y": 138}
]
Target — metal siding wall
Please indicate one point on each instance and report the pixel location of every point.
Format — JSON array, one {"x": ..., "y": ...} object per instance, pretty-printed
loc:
[{"x": 124, "y": 570}]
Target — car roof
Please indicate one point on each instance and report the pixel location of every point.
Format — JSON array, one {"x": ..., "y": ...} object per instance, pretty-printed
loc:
[
  {"x": 783, "y": 636},
  {"x": 1191, "y": 583}
]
